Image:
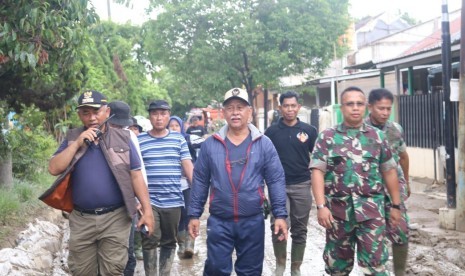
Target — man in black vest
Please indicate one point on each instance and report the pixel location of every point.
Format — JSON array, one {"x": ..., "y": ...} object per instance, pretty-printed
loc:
[{"x": 294, "y": 142}]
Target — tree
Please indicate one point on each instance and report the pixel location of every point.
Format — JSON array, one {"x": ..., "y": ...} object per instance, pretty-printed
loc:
[
  {"x": 409, "y": 19},
  {"x": 115, "y": 67},
  {"x": 41, "y": 50},
  {"x": 213, "y": 45},
  {"x": 40, "y": 56}
]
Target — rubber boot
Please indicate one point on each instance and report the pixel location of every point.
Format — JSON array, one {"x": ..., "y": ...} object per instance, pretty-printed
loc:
[
  {"x": 399, "y": 258},
  {"x": 166, "y": 260},
  {"x": 181, "y": 243},
  {"x": 297, "y": 256},
  {"x": 138, "y": 246},
  {"x": 189, "y": 249},
  {"x": 280, "y": 253},
  {"x": 150, "y": 262}
]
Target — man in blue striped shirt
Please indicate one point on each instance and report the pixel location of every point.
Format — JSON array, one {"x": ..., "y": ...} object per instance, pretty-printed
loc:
[{"x": 165, "y": 154}]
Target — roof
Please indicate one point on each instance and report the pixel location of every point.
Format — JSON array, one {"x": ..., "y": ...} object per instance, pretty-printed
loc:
[{"x": 435, "y": 39}]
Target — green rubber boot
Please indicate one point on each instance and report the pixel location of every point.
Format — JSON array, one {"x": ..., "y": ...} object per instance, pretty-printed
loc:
[
  {"x": 280, "y": 252},
  {"x": 181, "y": 242},
  {"x": 399, "y": 258},
  {"x": 297, "y": 256}
]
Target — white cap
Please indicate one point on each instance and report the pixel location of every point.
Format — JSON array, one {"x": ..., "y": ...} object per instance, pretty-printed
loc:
[{"x": 236, "y": 93}]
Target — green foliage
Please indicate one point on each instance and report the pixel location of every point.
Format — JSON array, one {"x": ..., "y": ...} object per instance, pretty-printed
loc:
[
  {"x": 410, "y": 20},
  {"x": 9, "y": 204},
  {"x": 20, "y": 201},
  {"x": 116, "y": 66},
  {"x": 41, "y": 50},
  {"x": 31, "y": 146},
  {"x": 24, "y": 191},
  {"x": 210, "y": 46}
]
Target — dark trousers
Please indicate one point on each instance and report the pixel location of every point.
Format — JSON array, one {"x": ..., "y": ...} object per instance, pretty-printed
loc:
[
  {"x": 246, "y": 236},
  {"x": 132, "y": 262},
  {"x": 184, "y": 221},
  {"x": 166, "y": 229}
]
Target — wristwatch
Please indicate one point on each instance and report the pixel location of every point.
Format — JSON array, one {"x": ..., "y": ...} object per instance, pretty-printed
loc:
[
  {"x": 395, "y": 206},
  {"x": 320, "y": 206}
]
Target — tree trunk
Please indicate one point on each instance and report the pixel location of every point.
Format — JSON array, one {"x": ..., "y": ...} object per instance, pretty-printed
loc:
[{"x": 6, "y": 171}]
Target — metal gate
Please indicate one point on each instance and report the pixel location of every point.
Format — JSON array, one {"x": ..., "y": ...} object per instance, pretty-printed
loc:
[{"x": 422, "y": 118}]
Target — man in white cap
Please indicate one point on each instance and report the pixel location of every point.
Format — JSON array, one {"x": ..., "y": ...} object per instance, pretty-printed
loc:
[{"x": 232, "y": 167}]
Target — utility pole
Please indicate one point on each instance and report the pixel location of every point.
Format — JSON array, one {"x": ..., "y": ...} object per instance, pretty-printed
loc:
[
  {"x": 449, "y": 139},
  {"x": 109, "y": 10},
  {"x": 265, "y": 107},
  {"x": 460, "y": 212}
]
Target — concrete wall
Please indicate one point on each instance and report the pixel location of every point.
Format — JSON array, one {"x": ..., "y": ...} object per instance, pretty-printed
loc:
[{"x": 422, "y": 163}]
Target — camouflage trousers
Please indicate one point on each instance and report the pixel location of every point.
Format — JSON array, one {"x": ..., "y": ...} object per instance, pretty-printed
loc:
[
  {"x": 341, "y": 239},
  {"x": 397, "y": 235}
]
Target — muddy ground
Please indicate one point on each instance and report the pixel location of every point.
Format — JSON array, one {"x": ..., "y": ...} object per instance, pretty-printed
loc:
[{"x": 433, "y": 251}]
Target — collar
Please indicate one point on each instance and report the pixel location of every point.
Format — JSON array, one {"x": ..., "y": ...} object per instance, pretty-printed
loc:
[
  {"x": 281, "y": 123},
  {"x": 343, "y": 128},
  {"x": 380, "y": 127}
]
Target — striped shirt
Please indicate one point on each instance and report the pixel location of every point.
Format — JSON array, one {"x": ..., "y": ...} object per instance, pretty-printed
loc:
[{"x": 162, "y": 158}]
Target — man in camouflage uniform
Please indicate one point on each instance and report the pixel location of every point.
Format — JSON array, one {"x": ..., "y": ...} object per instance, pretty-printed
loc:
[
  {"x": 349, "y": 163},
  {"x": 380, "y": 106}
]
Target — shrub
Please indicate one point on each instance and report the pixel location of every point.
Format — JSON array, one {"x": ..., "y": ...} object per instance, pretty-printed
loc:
[
  {"x": 9, "y": 205},
  {"x": 31, "y": 145},
  {"x": 24, "y": 191}
]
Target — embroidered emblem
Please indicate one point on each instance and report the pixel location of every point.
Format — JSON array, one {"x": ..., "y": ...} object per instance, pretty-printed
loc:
[
  {"x": 87, "y": 97},
  {"x": 302, "y": 136}
]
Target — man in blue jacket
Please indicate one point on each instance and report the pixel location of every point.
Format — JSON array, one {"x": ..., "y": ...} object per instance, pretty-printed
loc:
[{"x": 233, "y": 166}]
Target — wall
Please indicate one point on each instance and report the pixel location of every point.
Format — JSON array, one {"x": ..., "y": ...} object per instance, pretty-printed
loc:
[{"x": 422, "y": 163}]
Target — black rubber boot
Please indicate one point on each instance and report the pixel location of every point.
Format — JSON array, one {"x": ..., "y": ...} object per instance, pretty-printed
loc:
[
  {"x": 166, "y": 260},
  {"x": 150, "y": 262}
]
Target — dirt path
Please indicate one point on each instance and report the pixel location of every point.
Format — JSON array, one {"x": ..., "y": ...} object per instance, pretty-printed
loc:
[{"x": 431, "y": 253}]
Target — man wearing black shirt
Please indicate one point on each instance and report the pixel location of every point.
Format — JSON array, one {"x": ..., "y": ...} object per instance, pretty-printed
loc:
[
  {"x": 294, "y": 141},
  {"x": 195, "y": 128}
]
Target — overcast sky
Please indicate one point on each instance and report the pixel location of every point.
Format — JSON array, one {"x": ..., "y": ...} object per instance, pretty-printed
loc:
[{"x": 419, "y": 9}]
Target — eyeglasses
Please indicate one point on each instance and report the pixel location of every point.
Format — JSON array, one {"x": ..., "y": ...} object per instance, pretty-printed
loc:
[{"x": 352, "y": 104}]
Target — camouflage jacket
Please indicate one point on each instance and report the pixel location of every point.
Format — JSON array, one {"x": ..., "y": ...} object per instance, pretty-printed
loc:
[
  {"x": 395, "y": 136},
  {"x": 352, "y": 160}
]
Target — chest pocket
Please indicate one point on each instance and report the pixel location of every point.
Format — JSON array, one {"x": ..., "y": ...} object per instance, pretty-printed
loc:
[
  {"x": 337, "y": 164},
  {"x": 119, "y": 155}
]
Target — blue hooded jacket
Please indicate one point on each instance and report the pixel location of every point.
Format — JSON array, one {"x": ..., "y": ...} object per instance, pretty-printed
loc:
[{"x": 228, "y": 201}]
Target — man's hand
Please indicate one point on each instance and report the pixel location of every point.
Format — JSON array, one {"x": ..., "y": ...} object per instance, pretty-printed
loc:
[
  {"x": 194, "y": 227},
  {"x": 147, "y": 219},
  {"x": 395, "y": 217},
  {"x": 409, "y": 191},
  {"x": 89, "y": 134},
  {"x": 325, "y": 218},
  {"x": 280, "y": 227}
]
